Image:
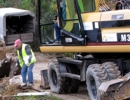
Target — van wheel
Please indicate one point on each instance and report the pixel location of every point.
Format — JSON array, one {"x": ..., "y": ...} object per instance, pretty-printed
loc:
[
  {"x": 95, "y": 75},
  {"x": 112, "y": 70},
  {"x": 56, "y": 82}
]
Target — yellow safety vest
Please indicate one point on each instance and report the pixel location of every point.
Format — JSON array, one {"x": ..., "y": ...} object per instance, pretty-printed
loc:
[{"x": 25, "y": 56}]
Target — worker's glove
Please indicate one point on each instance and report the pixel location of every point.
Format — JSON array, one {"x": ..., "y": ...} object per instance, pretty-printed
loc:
[
  {"x": 16, "y": 65},
  {"x": 2, "y": 62},
  {"x": 28, "y": 64}
]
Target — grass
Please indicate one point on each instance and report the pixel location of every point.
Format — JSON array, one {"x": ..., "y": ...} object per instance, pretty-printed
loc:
[
  {"x": 10, "y": 90},
  {"x": 45, "y": 97}
]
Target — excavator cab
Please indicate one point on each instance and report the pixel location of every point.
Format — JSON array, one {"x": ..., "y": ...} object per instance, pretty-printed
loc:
[
  {"x": 74, "y": 30},
  {"x": 70, "y": 21}
]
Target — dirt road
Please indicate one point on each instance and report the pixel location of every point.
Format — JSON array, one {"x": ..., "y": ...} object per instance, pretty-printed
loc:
[{"x": 42, "y": 63}]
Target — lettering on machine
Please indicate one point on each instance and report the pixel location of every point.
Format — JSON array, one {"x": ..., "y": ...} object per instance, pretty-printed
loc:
[{"x": 125, "y": 37}]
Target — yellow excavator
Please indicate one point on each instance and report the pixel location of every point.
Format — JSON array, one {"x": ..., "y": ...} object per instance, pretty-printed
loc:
[{"x": 100, "y": 38}]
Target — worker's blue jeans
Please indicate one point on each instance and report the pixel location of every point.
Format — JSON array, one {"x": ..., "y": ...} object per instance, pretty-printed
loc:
[
  {"x": 27, "y": 71},
  {"x": 57, "y": 29}
]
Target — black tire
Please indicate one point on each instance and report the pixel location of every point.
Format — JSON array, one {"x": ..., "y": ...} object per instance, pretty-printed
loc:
[
  {"x": 56, "y": 82},
  {"x": 112, "y": 70},
  {"x": 72, "y": 85},
  {"x": 95, "y": 75}
]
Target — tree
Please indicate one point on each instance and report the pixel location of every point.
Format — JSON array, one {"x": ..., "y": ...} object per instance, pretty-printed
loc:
[{"x": 27, "y": 4}]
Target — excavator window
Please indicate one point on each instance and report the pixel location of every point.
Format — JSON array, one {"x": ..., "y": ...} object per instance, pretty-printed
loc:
[
  {"x": 69, "y": 21},
  {"x": 86, "y": 6},
  {"x": 71, "y": 24}
]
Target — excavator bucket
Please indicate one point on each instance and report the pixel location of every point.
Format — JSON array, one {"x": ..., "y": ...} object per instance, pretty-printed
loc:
[
  {"x": 123, "y": 92},
  {"x": 121, "y": 87},
  {"x": 7, "y": 61}
]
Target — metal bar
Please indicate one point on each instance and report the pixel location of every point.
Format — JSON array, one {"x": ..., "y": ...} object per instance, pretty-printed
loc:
[
  {"x": 80, "y": 20},
  {"x": 38, "y": 16},
  {"x": 46, "y": 24}
]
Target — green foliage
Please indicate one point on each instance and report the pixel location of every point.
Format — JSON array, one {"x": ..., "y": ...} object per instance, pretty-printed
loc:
[
  {"x": 69, "y": 55},
  {"x": 7, "y": 3},
  {"x": 1, "y": 3},
  {"x": 48, "y": 11},
  {"x": 45, "y": 97},
  {"x": 26, "y": 4}
]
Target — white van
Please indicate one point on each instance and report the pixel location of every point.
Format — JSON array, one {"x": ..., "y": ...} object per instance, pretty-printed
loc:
[{"x": 16, "y": 24}]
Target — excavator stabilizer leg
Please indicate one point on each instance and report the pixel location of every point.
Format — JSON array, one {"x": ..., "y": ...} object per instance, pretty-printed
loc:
[{"x": 44, "y": 80}]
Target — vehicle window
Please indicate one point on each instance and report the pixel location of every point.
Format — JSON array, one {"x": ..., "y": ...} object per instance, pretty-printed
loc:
[
  {"x": 86, "y": 5},
  {"x": 71, "y": 23},
  {"x": 71, "y": 9}
]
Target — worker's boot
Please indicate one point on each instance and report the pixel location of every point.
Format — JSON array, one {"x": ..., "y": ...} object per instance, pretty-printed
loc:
[
  {"x": 23, "y": 85},
  {"x": 30, "y": 85}
]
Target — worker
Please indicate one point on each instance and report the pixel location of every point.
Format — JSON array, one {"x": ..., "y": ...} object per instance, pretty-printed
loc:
[
  {"x": 63, "y": 16},
  {"x": 26, "y": 60},
  {"x": 57, "y": 30}
]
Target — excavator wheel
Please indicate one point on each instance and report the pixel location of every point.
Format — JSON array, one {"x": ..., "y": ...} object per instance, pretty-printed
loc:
[
  {"x": 56, "y": 82},
  {"x": 72, "y": 85},
  {"x": 112, "y": 70},
  {"x": 95, "y": 75}
]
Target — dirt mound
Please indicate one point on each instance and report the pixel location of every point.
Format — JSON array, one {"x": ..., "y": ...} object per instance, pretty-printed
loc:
[{"x": 8, "y": 60}]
